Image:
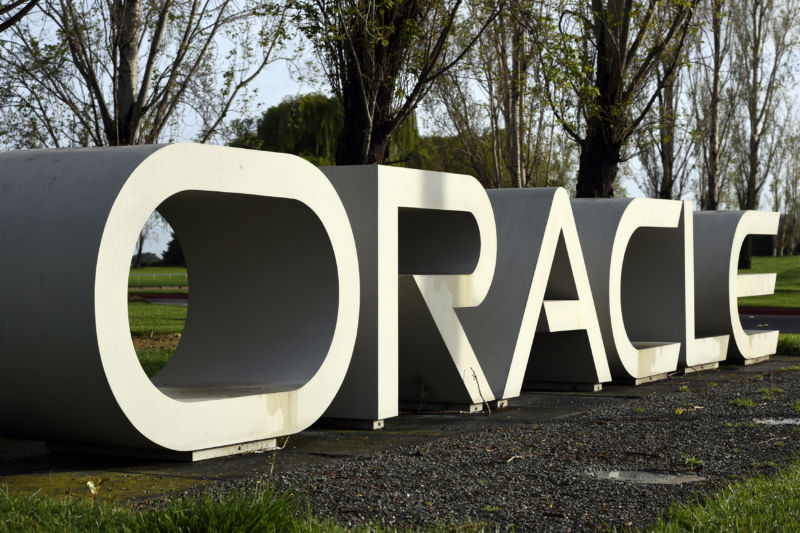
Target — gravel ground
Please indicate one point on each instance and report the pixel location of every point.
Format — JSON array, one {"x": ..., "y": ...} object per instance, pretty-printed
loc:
[{"x": 540, "y": 477}]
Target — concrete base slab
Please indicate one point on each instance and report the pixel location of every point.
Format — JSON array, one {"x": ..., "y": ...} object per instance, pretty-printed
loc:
[
  {"x": 434, "y": 407},
  {"x": 747, "y": 362},
  {"x": 700, "y": 368},
  {"x": 167, "y": 455},
  {"x": 498, "y": 404},
  {"x": 361, "y": 424},
  {"x": 559, "y": 386},
  {"x": 641, "y": 381}
]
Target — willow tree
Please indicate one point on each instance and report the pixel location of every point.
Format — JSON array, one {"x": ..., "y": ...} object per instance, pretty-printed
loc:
[
  {"x": 380, "y": 58},
  {"x": 600, "y": 67},
  {"x": 121, "y": 72},
  {"x": 309, "y": 125}
]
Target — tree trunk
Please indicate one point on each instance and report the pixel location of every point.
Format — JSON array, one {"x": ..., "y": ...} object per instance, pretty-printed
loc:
[
  {"x": 599, "y": 162},
  {"x": 600, "y": 149},
  {"x": 352, "y": 146},
  {"x": 127, "y": 119},
  {"x": 139, "y": 249},
  {"x": 515, "y": 126},
  {"x": 750, "y": 198},
  {"x": 710, "y": 198},
  {"x": 666, "y": 113}
]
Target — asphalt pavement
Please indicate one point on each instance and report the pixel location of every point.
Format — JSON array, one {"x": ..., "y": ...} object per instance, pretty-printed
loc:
[{"x": 785, "y": 323}]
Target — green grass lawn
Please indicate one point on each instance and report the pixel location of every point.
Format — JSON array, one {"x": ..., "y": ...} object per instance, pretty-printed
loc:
[
  {"x": 148, "y": 319},
  {"x": 787, "y": 285},
  {"x": 755, "y": 504},
  {"x": 153, "y": 361},
  {"x": 158, "y": 277},
  {"x": 788, "y": 344},
  {"x": 259, "y": 510}
]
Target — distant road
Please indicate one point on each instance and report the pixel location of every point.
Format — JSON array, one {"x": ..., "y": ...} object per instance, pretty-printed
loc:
[
  {"x": 786, "y": 323},
  {"x": 166, "y": 299}
]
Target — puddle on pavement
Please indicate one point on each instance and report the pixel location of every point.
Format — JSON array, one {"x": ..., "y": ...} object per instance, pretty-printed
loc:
[
  {"x": 778, "y": 421},
  {"x": 640, "y": 476}
]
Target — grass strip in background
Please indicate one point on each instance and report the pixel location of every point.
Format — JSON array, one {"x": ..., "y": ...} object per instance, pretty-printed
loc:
[
  {"x": 148, "y": 319},
  {"x": 157, "y": 276},
  {"x": 787, "y": 284},
  {"x": 132, "y": 291},
  {"x": 756, "y": 504}
]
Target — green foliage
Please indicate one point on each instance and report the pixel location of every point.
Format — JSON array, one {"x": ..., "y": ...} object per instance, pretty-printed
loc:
[
  {"x": 788, "y": 344},
  {"x": 600, "y": 63},
  {"x": 173, "y": 255},
  {"x": 381, "y": 59},
  {"x": 756, "y": 504},
  {"x": 310, "y": 125},
  {"x": 446, "y": 155},
  {"x": 407, "y": 148},
  {"x": 743, "y": 402},
  {"x": 154, "y": 319},
  {"x": 693, "y": 462},
  {"x": 243, "y": 132},
  {"x": 307, "y": 126}
]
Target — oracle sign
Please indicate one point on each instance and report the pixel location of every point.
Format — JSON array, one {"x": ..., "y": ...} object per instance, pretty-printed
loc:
[{"x": 341, "y": 292}]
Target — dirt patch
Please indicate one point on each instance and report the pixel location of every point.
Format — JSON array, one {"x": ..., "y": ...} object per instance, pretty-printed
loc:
[{"x": 157, "y": 342}]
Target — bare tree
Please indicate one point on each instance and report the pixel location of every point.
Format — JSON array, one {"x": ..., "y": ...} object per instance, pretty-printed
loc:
[
  {"x": 664, "y": 149},
  {"x": 785, "y": 191},
  {"x": 125, "y": 72},
  {"x": 12, "y": 12},
  {"x": 712, "y": 101},
  {"x": 381, "y": 57},
  {"x": 454, "y": 112},
  {"x": 511, "y": 61},
  {"x": 765, "y": 38},
  {"x": 148, "y": 232},
  {"x": 495, "y": 109},
  {"x": 600, "y": 61}
]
